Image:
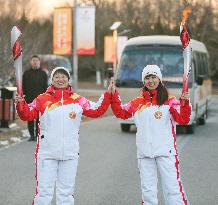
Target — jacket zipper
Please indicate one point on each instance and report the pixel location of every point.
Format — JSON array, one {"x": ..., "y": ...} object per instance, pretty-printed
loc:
[
  {"x": 151, "y": 140},
  {"x": 150, "y": 97},
  {"x": 62, "y": 103}
]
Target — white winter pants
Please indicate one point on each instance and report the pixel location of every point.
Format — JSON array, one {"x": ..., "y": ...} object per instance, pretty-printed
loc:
[
  {"x": 170, "y": 178},
  {"x": 50, "y": 172}
]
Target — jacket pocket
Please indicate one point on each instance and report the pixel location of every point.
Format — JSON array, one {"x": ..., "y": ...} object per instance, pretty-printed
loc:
[{"x": 43, "y": 141}]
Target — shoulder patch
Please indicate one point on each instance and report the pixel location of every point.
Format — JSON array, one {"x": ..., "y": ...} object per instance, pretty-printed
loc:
[
  {"x": 142, "y": 107},
  {"x": 54, "y": 106},
  {"x": 171, "y": 97},
  {"x": 137, "y": 103},
  {"x": 75, "y": 96}
]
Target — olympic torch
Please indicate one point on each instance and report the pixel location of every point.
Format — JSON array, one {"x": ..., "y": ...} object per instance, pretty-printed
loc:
[
  {"x": 187, "y": 52},
  {"x": 17, "y": 56}
]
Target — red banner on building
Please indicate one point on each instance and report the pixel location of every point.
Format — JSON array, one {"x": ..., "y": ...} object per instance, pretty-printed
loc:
[{"x": 62, "y": 31}]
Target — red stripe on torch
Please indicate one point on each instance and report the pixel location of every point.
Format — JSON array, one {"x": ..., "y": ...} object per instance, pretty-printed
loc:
[
  {"x": 185, "y": 84},
  {"x": 17, "y": 56},
  {"x": 184, "y": 37},
  {"x": 16, "y": 50}
]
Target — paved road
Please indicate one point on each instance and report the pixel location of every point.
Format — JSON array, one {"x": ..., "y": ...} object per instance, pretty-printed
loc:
[{"x": 108, "y": 174}]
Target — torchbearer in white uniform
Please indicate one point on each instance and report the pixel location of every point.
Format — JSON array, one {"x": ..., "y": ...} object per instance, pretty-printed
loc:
[
  {"x": 57, "y": 149},
  {"x": 155, "y": 114}
]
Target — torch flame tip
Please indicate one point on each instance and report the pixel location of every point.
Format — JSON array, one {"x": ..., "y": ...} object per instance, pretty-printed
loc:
[{"x": 186, "y": 12}]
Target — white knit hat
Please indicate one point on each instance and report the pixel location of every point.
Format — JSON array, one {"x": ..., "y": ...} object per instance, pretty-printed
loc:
[
  {"x": 60, "y": 68},
  {"x": 151, "y": 70}
]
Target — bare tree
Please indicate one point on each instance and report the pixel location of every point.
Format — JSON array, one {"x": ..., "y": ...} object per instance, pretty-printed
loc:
[{"x": 142, "y": 17}]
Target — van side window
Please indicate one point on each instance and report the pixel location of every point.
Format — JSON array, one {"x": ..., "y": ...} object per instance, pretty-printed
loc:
[
  {"x": 197, "y": 64},
  {"x": 205, "y": 63},
  {"x": 208, "y": 65},
  {"x": 201, "y": 70},
  {"x": 204, "y": 72},
  {"x": 194, "y": 65}
]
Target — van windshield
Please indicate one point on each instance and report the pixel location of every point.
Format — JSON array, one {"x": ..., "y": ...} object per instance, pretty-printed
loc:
[{"x": 135, "y": 58}]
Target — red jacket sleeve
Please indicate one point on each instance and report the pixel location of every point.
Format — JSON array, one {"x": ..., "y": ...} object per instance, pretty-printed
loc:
[
  {"x": 94, "y": 110},
  {"x": 183, "y": 117},
  {"x": 122, "y": 111},
  {"x": 28, "y": 112}
]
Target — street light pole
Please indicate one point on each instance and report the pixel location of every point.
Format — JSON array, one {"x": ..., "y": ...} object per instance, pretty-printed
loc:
[
  {"x": 114, "y": 28},
  {"x": 115, "y": 50},
  {"x": 75, "y": 56}
]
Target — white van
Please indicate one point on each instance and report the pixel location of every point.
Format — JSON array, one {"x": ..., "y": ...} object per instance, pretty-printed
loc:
[{"x": 167, "y": 53}]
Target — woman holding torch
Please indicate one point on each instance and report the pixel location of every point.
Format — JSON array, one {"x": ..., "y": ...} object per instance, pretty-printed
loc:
[
  {"x": 57, "y": 149},
  {"x": 155, "y": 115}
]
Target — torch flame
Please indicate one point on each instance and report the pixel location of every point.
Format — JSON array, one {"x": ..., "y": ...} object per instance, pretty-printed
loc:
[{"x": 186, "y": 12}]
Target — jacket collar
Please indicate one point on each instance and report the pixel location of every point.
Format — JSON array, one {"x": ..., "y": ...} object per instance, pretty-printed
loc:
[
  {"x": 59, "y": 92},
  {"x": 150, "y": 96}
]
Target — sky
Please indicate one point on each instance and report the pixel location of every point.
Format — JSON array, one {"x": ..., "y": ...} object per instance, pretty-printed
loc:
[{"x": 44, "y": 8}]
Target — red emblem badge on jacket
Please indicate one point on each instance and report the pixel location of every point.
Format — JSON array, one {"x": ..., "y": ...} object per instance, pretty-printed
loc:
[
  {"x": 158, "y": 115},
  {"x": 72, "y": 115}
]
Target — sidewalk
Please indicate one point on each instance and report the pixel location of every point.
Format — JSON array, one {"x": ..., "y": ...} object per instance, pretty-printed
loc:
[
  {"x": 14, "y": 134},
  {"x": 18, "y": 129}
]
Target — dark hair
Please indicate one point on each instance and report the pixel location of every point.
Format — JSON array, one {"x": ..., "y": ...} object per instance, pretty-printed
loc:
[
  {"x": 162, "y": 93},
  {"x": 35, "y": 56},
  {"x": 62, "y": 71}
]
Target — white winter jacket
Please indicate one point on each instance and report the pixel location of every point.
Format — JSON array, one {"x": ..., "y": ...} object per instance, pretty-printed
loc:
[
  {"x": 60, "y": 114},
  {"x": 155, "y": 124}
]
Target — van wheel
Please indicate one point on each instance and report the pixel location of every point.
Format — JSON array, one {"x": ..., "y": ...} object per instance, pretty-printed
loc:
[
  {"x": 190, "y": 129},
  {"x": 125, "y": 127},
  {"x": 202, "y": 120},
  {"x": 206, "y": 112}
]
